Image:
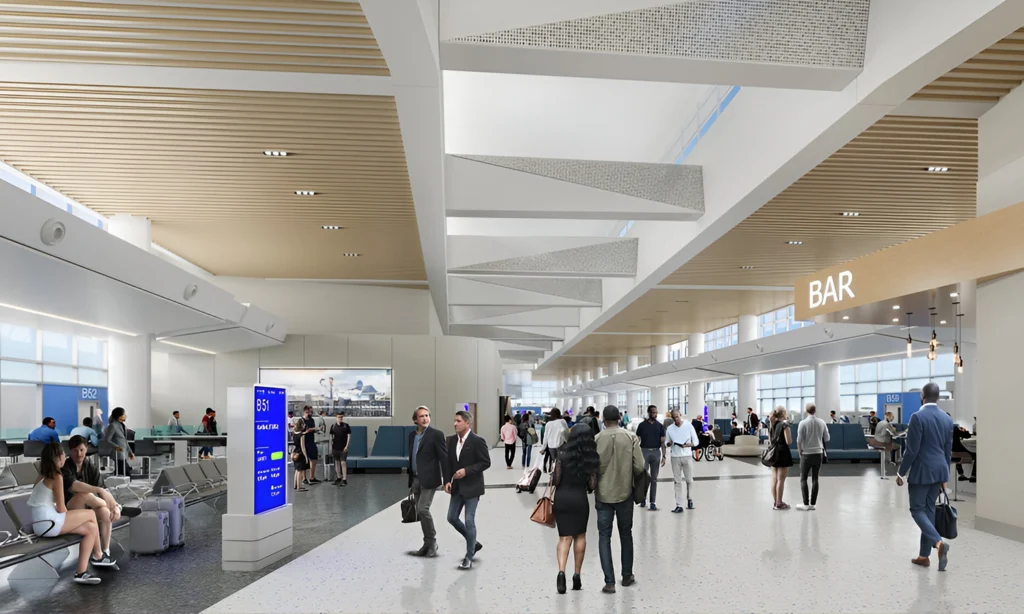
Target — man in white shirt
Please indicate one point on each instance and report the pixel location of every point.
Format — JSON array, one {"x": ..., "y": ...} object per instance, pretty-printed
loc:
[
  {"x": 811, "y": 436},
  {"x": 554, "y": 436},
  {"x": 681, "y": 439},
  {"x": 174, "y": 424}
]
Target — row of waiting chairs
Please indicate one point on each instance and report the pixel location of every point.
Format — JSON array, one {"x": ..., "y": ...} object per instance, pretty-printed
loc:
[
  {"x": 197, "y": 482},
  {"x": 390, "y": 448}
]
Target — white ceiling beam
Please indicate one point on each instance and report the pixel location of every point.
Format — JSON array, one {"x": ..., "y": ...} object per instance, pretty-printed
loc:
[
  {"x": 943, "y": 108},
  {"x": 462, "y": 291},
  {"x": 406, "y": 33}
]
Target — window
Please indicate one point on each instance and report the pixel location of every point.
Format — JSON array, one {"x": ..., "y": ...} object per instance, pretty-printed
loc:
[
  {"x": 538, "y": 393},
  {"x": 19, "y": 371},
  {"x": 18, "y": 342},
  {"x": 792, "y": 390},
  {"x": 60, "y": 375},
  {"x": 779, "y": 321},
  {"x": 673, "y": 399},
  {"x": 643, "y": 399},
  {"x": 91, "y": 377},
  {"x": 860, "y": 384},
  {"x": 677, "y": 350},
  {"x": 57, "y": 348},
  {"x": 91, "y": 352},
  {"x": 621, "y": 400},
  {"x": 721, "y": 337}
]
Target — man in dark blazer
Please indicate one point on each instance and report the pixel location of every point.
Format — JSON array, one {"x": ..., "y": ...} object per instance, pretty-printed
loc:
[
  {"x": 926, "y": 467},
  {"x": 468, "y": 457},
  {"x": 428, "y": 469}
]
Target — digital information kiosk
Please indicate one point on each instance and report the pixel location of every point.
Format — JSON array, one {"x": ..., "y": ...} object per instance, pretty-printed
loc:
[{"x": 257, "y": 530}]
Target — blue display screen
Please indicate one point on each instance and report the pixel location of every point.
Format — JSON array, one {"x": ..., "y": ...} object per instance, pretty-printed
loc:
[{"x": 271, "y": 447}]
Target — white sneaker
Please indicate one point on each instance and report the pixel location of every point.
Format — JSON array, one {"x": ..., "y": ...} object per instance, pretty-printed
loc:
[
  {"x": 86, "y": 578},
  {"x": 106, "y": 561},
  {"x": 804, "y": 508},
  {"x": 811, "y": 508}
]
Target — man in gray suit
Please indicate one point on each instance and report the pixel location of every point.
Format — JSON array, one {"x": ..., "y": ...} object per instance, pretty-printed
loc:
[{"x": 926, "y": 467}]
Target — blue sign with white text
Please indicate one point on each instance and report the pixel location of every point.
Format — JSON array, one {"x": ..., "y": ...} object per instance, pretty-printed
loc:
[{"x": 271, "y": 446}]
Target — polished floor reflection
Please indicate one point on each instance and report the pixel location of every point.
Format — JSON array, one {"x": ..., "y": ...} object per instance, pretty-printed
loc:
[{"x": 733, "y": 554}]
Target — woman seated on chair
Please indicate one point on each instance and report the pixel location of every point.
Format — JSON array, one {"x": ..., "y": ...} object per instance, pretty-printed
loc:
[{"x": 51, "y": 517}]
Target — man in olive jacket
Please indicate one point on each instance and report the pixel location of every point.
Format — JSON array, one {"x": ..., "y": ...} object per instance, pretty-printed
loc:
[
  {"x": 621, "y": 459},
  {"x": 428, "y": 469}
]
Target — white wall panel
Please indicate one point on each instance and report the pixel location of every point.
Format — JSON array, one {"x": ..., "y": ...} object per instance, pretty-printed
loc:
[
  {"x": 369, "y": 351},
  {"x": 182, "y": 382},
  {"x": 21, "y": 406},
  {"x": 325, "y": 351},
  {"x": 414, "y": 375},
  {"x": 488, "y": 389},
  {"x": 288, "y": 355},
  {"x": 232, "y": 369},
  {"x": 457, "y": 361}
]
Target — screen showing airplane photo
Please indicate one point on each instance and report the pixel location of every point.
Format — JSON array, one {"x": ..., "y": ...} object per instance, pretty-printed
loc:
[{"x": 359, "y": 393}]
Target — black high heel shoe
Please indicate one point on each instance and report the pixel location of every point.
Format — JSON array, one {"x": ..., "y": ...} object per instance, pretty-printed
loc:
[
  {"x": 560, "y": 582},
  {"x": 577, "y": 584}
]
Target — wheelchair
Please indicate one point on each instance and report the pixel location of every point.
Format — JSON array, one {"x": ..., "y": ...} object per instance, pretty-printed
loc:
[{"x": 709, "y": 451}]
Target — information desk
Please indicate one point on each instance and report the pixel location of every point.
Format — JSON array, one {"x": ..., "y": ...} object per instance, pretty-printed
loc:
[{"x": 184, "y": 444}]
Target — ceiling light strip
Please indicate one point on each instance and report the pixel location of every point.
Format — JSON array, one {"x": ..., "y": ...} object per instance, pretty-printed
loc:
[
  {"x": 65, "y": 319},
  {"x": 186, "y": 347}
]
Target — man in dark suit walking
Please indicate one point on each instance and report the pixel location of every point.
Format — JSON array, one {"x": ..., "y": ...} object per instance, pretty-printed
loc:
[
  {"x": 428, "y": 469},
  {"x": 468, "y": 457},
  {"x": 926, "y": 467}
]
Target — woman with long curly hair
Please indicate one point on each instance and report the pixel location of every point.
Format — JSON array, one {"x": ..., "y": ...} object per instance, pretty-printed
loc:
[{"x": 575, "y": 475}]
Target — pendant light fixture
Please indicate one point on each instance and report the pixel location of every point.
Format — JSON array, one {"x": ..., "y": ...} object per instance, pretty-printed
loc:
[
  {"x": 910, "y": 341},
  {"x": 934, "y": 343},
  {"x": 956, "y": 335},
  {"x": 959, "y": 327}
]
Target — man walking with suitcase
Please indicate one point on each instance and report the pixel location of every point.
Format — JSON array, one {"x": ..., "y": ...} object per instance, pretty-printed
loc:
[{"x": 428, "y": 469}]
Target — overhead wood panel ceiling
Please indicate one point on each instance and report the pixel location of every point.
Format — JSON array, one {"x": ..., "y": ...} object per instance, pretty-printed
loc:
[
  {"x": 318, "y": 36},
  {"x": 881, "y": 175},
  {"x": 192, "y": 161},
  {"x": 986, "y": 77}
]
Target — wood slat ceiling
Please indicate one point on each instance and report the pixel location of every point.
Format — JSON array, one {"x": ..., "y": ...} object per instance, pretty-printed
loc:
[
  {"x": 986, "y": 77},
  {"x": 316, "y": 36},
  {"x": 192, "y": 161},
  {"x": 881, "y": 175}
]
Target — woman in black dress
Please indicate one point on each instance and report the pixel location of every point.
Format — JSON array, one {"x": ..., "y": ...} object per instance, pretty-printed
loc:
[
  {"x": 574, "y": 476},
  {"x": 783, "y": 459}
]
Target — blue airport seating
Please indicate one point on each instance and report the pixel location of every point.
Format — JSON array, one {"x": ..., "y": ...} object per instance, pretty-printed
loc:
[
  {"x": 855, "y": 445},
  {"x": 725, "y": 425},
  {"x": 388, "y": 450},
  {"x": 357, "y": 448},
  {"x": 835, "y": 438}
]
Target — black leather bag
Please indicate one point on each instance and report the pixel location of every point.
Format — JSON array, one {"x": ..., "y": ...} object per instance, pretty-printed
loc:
[
  {"x": 945, "y": 517},
  {"x": 641, "y": 484},
  {"x": 409, "y": 513}
]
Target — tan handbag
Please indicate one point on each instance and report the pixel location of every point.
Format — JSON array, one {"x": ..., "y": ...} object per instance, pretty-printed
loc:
[{"x": 544, "y": 512}]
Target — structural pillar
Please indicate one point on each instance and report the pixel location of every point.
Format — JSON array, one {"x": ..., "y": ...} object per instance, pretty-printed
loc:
[
  {"x": 613, "y": 369},
  {"x": 129, "y": 379},
  {"x": 695, "y": 390},
  {"x": 659, "y": 354},
  {"x": 747, "y": 394},
  {"x": 826, "y": 389}
]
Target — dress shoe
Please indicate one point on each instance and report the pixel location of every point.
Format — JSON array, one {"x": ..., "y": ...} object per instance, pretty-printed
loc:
[
  {"x": 689, "y": 504},
  {"x": 577, "y": 584},
  {"x": 466, "y": 564},
  {"x": 478, "y": 547},
  {"x": 560, "y": 583},
  {"x": 678, "y": 510},
  {"x": 643, "y": 503},
  {"x": 608, "y": 588},
  {"x": 943, "y": 552},
  {"x": 654, "y": 507},
  {"x": 961, "y": 478},
  {"x": 973, "y": 480},
  {"x": 629, "y": 580},
  {"x": 921, "y": 561}
]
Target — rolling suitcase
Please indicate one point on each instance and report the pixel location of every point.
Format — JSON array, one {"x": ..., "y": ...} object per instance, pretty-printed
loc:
[
  {"x": 174, "y": 505},
  {"x": 149, "y": 533},
  {"x": 529, "y": 480}
]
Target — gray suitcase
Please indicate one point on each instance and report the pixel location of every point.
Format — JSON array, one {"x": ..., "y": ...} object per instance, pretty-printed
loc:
[
  {"x": 174, "y": 505},
  {"x": 149, "y": 533}
]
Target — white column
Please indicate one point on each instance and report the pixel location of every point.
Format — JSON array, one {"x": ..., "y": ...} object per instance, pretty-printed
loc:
[
  {"x": 747, "y": 394},
  {"x": 129, "y": 379},
  {"x": 826, "y": 389},
  {"x": 660, "y": 354},
  {"x": 133, "y": 229},
  {"x": 613, "y": 368},
  {"x": 695, "y": 344},
  {"x": 632, "y": 363},
  {"x": 587, "y": 402},
  {"x": 659, "y": 397}
]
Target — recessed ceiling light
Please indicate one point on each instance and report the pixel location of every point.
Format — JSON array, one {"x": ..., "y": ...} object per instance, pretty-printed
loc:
[
  {"x": 794, "y": 242},
  {"x": 937, "y": 169},
  {"x": 305, "y": 193},
  {"x": 682, "y": 301},
  {"x": 275, "y": 153},
  {"x": 846, "y": 317},
  {"x": 333, "y": 227},
  {"x": 351, "y": 255},
  {"x": 895, "y": 319},
  {"x": 895, "y": 306},
  {"x": 954, "y": 294},
  {"x": 942, "y": 322},
  {"x": 747, "y": 267},
  {"x": 851, "y": 214}
]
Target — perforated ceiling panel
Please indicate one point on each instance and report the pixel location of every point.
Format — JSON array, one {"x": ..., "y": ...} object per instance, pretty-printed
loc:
[{"x": 827, "y": 33}]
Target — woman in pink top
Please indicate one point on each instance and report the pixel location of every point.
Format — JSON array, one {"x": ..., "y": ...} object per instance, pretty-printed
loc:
[{"x": 508, "y": 437}]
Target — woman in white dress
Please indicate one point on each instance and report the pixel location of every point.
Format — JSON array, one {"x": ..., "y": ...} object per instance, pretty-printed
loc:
[{"x": 51, "y": 517}]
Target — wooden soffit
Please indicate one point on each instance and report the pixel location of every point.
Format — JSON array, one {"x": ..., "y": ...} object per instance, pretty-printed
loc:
[{"x": 985, "y": 246}]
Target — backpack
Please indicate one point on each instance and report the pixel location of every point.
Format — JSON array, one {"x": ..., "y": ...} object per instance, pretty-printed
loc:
[{"x": 531, "y": 436}]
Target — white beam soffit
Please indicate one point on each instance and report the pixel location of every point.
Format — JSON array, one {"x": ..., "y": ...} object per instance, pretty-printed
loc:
[
  {"x": 813, "y": 44},
  {"x": 543, "y": 256},
  {"x": 806, "y": 127},
  {"x": 406, "y": 31}
]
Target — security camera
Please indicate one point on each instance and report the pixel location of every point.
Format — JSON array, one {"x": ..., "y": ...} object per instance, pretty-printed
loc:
[{"x": 53, "y": 232}]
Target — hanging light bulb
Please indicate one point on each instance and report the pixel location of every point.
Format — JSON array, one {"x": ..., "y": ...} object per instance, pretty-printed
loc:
[
  {"x": 934, "y": 343},
  {"x": 910, "y": 341},
  {"x": 960, "y": 365},
  {"x": 956, "y": 354}
]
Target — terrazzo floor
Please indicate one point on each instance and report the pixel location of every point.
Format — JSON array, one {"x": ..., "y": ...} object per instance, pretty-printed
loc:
[{"x": 733, "y": 553}]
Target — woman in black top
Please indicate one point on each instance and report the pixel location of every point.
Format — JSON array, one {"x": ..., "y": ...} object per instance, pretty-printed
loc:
[
  {"x": 783, "y": 458},
  {"x": 575, "y": 475},
  {"x": 299, "y": 457}
]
